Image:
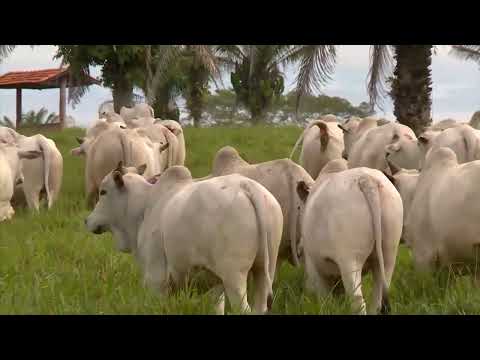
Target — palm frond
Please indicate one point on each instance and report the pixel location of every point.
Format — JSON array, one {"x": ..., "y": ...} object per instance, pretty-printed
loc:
[
  {"x": 466, "y": 52},
  {"x": 6, "y": 50},
  {"x": 75, "y": 89},
  {"x": 380, "y": 67},
  {"x": 317, "y": 63},
  {"x": 165, "y": 55},
  {"x": 7, "y": 122}
]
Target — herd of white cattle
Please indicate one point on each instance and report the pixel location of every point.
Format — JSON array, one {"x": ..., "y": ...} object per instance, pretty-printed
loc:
[{"x": 362, "y": 185}]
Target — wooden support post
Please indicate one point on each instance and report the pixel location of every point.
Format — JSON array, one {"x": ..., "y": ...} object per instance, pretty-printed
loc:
[
  {"x": 19, "y": 108},
  {"x": 63, "y": 102}
]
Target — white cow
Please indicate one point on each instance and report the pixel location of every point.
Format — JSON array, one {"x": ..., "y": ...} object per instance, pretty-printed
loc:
[
  {"x": 92, "y": 133},
  {"x": 353, "y": 129},
  {"x": 177, "y": 130},
  {"x": 462, "y": 139},
  {"x": 112, "y": 117},
  {"x": 104, "y": 108},
  {"x": 475, "y": 120},
  {"x": 280, "y": 177},
  {"x": 229, "y": 225},
  {"x": 322, "y": 142},
  {"x": 10, "y": 173},
  {"x": 140, "y": 122},
  {"x": 370, "y": 148},
  {"x": 159, "y": 133},
  {"x": 115, "y": 145},
  {"x": 442, "y": 224},
  {"x": 136, "y": 112},
  {"x": 42, "y": 174},
  {"x": 352, "y": 223}
]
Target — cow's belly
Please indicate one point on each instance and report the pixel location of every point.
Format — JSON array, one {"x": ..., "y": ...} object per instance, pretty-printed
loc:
[{"x": 211, "y": 234}]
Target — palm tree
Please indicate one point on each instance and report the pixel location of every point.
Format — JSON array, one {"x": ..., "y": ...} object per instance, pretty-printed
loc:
[
  {"x": 40, "y": 117},
  {"x": 5, "y": 51},
  {"x": 467, "y": 52},
  {"x": 7, "y": 122},
  {"x": 174, "y": 70},
  {"x": 410, "y": 84},
  {"x": 257, "y": 79}
]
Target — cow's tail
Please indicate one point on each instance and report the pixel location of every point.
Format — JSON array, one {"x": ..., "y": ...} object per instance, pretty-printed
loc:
[
  {"x": 126, "y": 149},
  {"x": 293, "y": 221},
  {"x": 370, "y": 190},
  {"x": 47, "y": 154},
  {"x": 302, "y": 136},
  {"x": 257, "y": 199}
]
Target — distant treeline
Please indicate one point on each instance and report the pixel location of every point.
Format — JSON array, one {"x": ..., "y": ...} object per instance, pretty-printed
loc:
[{"x": 221, "y": 107}]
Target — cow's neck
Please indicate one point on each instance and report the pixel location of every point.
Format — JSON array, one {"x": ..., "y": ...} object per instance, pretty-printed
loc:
[{"x": 135, "y": 212}]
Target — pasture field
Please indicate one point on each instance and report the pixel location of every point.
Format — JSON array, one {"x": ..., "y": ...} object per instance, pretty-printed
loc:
[{"x": 49, "y": 263}]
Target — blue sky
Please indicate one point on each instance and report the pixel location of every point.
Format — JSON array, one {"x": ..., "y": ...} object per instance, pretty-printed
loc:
[{"x": 456, "y": 84}]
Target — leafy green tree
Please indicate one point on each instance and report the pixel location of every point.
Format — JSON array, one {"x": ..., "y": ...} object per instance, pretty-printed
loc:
[
  {"x": 121, "y": 67},
  {"x": 174, "y": 70},
  {"x": 40, "y": 117},
  {"x": 31, "y": 118},
  {"x": 258, "y": 81}
]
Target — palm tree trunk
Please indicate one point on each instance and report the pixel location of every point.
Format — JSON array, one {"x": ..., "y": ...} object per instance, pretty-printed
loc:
[
  {"x": 122, "y": 93},
  {"x": 411, "y": 86}
]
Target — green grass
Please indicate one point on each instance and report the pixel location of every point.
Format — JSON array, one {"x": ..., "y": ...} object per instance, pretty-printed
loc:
[{"x": 49, "y": 264}]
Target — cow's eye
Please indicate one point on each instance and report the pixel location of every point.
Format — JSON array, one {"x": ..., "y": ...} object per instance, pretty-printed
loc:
[{"x": 103, "y": 192}]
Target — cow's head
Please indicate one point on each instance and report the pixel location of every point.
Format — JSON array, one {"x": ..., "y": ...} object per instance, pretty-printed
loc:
[
  {"x": 121, "y": 204},
  {"x": 349, "y": 128},
  {"x": 405, "y": 181},
  {"x": 404, "y": 151}
]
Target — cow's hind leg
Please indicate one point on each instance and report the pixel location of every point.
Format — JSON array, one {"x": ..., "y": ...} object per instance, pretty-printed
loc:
[
  {"x": 33, "y": 198},
  {"x": 315, "y": 282},
  {"x": 236, "y": 289},
  {"x": 218, "y": 294},
  {"x": 261, "y": 291},
  {"x": 352, "y": 281}
]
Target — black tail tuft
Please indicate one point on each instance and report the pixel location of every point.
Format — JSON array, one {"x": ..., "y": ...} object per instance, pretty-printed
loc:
[
  {"x": 385, "y": 308},
  {"x": 269, "y": 302}
]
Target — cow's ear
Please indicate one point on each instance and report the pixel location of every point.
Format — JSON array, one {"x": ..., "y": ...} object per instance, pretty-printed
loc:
[
  {"x": 164, "y": 147},
  {"x": 174, "y": 130},
  {"x": 120, "y": 168},
  {"x": 141, "y": 169},
  {"x": 80, "y": 140},
  {"x": 324, "y": 136},
  {"x": 423, "y": 140},
  {"x": 118, "y": 178},
  {"x": 303, "y": 190},
  {"x": 345, "y": 130},
  {"x": 392, "y": 148}
]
